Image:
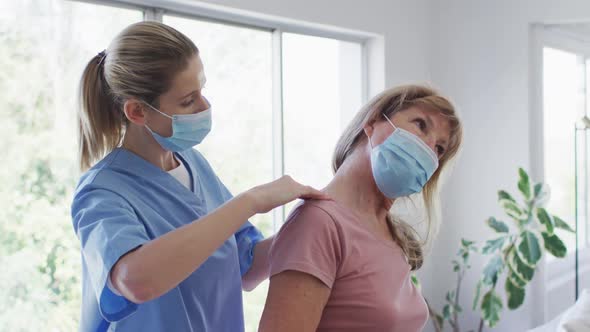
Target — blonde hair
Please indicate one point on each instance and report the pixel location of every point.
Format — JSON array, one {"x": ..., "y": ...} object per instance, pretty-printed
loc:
[
  {"x": 139, "y": 63},
  {"x": 390, "y": 102}
]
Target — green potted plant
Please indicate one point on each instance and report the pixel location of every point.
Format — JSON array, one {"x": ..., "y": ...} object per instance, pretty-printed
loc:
[{"x": 513, "y": 255}]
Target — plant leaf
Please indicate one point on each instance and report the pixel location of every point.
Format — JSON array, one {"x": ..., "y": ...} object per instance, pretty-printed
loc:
[
  {"x": 541, "y": 193},
  {"x": 415, "y": 281},
  {"x": 529, "y": 248},
  {"x": 477, "y": 294},
  {"x": 440, "y": 320},
  {"x": 491, "y": 305},
  {"x": 520, "y": 268},
  {"x": 554, "y": 245},
  {"x": 546, "y": 219},
  {"x": 450, "y": 296},
  {"x": 512, "y": 209},
  {"x": 505, "y": 196},
  {"x": 466, "y": 243},
  {"x": 538, "y": 188},
  {"x": 492, "y": 270},
  {"x": 497, "y": 225},
  {"x": 524, "y": 184},
  {"x": 515, "y": 278},
  {"x": 447, "y": 312},
  {"x": 515, "y": 294},
  {"x": 493, "y": 245},
  {"x": 559, "y": 223}
]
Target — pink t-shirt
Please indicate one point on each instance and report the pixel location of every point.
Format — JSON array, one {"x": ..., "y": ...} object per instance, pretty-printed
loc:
[{"x": 369, "y": 276}]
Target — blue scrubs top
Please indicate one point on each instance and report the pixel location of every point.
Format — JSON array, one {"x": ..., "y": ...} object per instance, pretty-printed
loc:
[{"x": 123, "y": 202}]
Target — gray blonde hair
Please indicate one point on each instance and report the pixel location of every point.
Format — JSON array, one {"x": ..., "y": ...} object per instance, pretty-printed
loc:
[
  {"x": 141, "y": 63},
  {"x": 390, "y": 102}
]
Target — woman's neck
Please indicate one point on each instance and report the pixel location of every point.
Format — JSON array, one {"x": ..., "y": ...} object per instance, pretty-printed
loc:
[
  {"x": 139, "y": 141},
  {"x": 354, "y": 186}
]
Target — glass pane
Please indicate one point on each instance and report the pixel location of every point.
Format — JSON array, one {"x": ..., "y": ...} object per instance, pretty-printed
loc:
[
  {"x": 45, "y": 46},
  {"x": 322, "y": 82},
  {"x": 564, "y": 103},
  {"x": 239, "y": 76}
]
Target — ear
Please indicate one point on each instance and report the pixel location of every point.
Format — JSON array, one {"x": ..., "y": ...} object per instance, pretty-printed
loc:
[
  {"x": 368, "y": 128},
  {"x": 134, "y": 111}
]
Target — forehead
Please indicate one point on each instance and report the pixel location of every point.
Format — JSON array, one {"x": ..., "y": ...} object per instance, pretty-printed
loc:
[
  {"x": 192, "y": 77},
  {"x": 441, "y": 123}
]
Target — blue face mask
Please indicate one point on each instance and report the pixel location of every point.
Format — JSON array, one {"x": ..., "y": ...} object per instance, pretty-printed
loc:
[
  {"x": 402, "y": 164},
  {"x": 188, "y": 130}
]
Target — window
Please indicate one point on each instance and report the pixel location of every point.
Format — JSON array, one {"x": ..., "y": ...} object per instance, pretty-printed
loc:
[
  {"x": 238, "y": 67},
  {"x": 280, "y": 101},
  {"x": 322, "y": 91},
  {"x": 45, "y": 46},
  {"x": 565, "y": 99}
]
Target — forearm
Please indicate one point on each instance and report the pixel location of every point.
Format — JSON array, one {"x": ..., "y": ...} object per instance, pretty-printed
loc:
[
  {"x": 161, "y": 264},
  {"x": 260, "y": 269}
]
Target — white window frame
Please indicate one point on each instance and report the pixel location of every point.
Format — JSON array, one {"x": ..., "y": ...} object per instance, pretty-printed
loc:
[
  {"x": 558, "y": 272},
  {"x": 372, "y": 56}
]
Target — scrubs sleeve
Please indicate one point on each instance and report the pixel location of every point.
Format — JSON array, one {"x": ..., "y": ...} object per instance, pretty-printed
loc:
[
  {"x": 246, "y": 238},
  {"x": 107, "y": 228}
]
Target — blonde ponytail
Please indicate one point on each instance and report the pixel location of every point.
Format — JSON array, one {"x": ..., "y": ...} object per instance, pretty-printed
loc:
[{"x": 100, "y": 119}]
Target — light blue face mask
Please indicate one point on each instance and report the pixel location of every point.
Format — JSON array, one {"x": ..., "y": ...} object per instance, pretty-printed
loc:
[
  {"x": 402, "y": 164},
  {"x": 188, "y": 130}
]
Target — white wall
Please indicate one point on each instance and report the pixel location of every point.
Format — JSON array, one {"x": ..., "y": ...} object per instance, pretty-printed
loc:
[{"x": 480, "y": 57}]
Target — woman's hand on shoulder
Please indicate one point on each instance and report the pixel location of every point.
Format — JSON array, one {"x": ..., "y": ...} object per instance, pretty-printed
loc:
[{"x": 279, "y": 192}]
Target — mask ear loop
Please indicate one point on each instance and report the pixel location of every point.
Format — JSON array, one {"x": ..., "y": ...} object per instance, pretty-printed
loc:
[
  {"x": 425, "y": 146},
  {"x": 370, "y": 141},
  {"x": 394, "y": 129},
  {"x": 388, "y": 120},
  {"x": 157, "y": 110}
]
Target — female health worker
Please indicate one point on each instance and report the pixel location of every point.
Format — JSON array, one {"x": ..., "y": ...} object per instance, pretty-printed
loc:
[{"x": 165, "y": 246}]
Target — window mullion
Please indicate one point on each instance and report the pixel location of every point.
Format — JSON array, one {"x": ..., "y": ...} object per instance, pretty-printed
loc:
[
  {"x": 277, "y": 118},
  {"x": 153, "y": 14}
]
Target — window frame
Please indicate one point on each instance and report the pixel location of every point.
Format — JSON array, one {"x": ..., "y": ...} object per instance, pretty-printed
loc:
[{"x": 556, "y": 273}]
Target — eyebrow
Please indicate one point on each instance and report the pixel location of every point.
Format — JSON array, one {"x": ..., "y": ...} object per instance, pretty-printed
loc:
[{"x": 203, "y": 81}]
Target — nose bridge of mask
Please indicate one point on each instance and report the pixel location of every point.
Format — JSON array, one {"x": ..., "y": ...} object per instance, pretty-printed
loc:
[
  {"x": 419, "y": 142},
  {"x": 179, "y": 115},
  {"x": 414, "y": 138}
]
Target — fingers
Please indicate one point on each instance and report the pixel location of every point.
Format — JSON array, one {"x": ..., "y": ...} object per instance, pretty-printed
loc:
[
  {"x": 312, "y": 193},
  {"x": 305, "y": 192}
]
